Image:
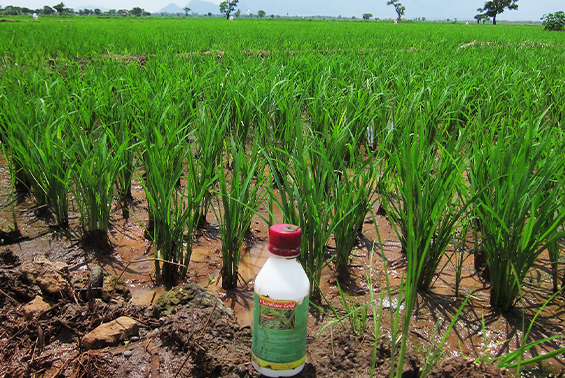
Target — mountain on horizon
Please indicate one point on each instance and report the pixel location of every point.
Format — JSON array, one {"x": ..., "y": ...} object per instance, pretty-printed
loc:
[{"x": 171, "y": 8}]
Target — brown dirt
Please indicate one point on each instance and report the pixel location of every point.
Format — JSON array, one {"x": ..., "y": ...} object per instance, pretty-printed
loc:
[{"x": 202, "y": 341}]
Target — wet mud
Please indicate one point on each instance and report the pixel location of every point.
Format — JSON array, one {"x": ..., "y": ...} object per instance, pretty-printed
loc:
[{"x": 212, "y": 338}]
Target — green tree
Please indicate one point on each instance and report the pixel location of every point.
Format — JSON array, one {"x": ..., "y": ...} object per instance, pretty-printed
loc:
[
  {"x": 11, "y": 10},
  {"x": 366, "y": 16},
  {"x": 261, "y": 13},
  {"x": 482, "y": 17},
  {"x": 495, "y": 7},
  {"x": 398, "y": 7},
  {"x": 59, "y": 8},
  {"x": 228, "y": 7},
  {"x": 48, "y": 10},
  {"x": 137, "y": 11},
  {"x": 554, "y": 21},
  {"x": 97, "y": 12},
  {"x": 186, "y": 10}
]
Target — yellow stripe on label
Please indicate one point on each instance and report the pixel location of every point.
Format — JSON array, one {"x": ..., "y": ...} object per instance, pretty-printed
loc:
[{"x": 278, "y": 366}]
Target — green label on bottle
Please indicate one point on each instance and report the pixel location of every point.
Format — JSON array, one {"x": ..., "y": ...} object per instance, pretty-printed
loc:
[{"x": 279, "y": 333}]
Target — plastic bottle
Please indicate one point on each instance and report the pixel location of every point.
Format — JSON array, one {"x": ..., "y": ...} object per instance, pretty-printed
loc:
[{"x": 280, "y": 312}]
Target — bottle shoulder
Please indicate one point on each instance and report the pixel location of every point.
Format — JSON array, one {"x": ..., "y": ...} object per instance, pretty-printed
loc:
[{"x": 283, "y": 279}]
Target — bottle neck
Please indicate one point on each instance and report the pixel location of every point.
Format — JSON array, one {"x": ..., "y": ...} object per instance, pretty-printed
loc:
[{"x": 279, "y": 257}]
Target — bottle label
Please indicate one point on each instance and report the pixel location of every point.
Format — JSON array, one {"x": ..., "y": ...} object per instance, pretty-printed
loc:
[{"x": 279, "y": 333}]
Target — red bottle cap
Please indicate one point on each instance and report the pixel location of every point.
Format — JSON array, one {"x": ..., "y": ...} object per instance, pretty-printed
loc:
[{"x": 284, "y": 239}]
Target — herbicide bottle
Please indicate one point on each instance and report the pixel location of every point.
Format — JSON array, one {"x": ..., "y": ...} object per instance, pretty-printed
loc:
[{"x": 280, "y": 310}]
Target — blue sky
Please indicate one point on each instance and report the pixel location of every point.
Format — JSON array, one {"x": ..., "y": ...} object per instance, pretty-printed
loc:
[{"x": 431, "y": 9}]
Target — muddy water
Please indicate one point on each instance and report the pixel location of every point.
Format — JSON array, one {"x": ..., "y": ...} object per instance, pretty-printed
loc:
[{"x": 433, "y": 313}]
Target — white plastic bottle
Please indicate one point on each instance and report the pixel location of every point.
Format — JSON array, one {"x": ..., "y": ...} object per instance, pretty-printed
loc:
[{"x": 280, "y": 312}]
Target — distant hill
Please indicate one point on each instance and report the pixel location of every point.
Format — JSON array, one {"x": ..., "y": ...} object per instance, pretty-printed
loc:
[
  {"x": 203, "y": 7},
  {"x": 171, "y": 8}
]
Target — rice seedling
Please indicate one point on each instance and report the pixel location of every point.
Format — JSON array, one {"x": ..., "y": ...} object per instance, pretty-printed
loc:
[
  {"x": 511, "y": 167},
  {"x": 210, "y": 131},
  {"x": 38, "y": 144},
  {"x": 24, "y": 120},
  {"x": 279, "y": 115},
  {"x": 93, "y": 175},
  {"x": 121, "y": 134},
  {"x": 424, "y": 203},
  {"x": 515, "y": 359},
  {"x": 240, "y": 106},
  {"x": 427, "y": 171},
  {"x": 14, "y": 226},
  {"x": 436, "y": 353},
  {"x": 26, "y": 168},
  {"x": 354, "y": 197},
  {"x": 554, "y": 247},
  {"x": 165, "y": 151},
  {"x": 239, "y": 199},
  {"x": 357, "y": 315},
  {"x": 55, "y": 169},
  {"x": 304, "y": 197}
]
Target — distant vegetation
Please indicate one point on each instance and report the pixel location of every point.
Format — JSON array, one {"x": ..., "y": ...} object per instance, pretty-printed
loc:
[{"x": 61, "y": 10}]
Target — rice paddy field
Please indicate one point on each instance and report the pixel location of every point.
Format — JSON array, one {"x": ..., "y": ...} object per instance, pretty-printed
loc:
[{"x": 424, "y": 163}]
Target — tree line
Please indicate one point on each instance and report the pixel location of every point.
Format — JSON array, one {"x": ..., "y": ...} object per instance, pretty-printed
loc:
[{"x": 61, "y": 10}]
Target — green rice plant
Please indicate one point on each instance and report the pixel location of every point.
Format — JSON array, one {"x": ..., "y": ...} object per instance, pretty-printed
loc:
[
  {"x": 554, "y": 248},
  {"x": 354, "y": 196},
  {"x": 425, "y": 203},
  {"x": 511, "y": 168},
  {"x": 357, "y": 315},
  {"x": 240, "y": 106},
  {"x": 400, "y": 322},
  {"x": 400, "y": 325},
  {"x": 25, "y": 166},
  {"x": 239, "y": 199},
  {"x": 436, "y": 353},
  {"x": 377, "y": 317},
  {"x": 25, "y": 119},
  {"x": 303, "y": 196},
  {"x": 55, "y": 169},
  {"x": 425, "y": 198},
  {"x": 515, "y": 359},
  {"x": 121, "y": 134},
  {"x": 279, "y": 116},
  {"x": 37, "y": 146},
  {"x": 173, "y": 208},
  {"x": 173, "y": 211},
  {"x": 93, "y": 176},
  {"x": 11, "y": 197},
  {"x": 210, "y": 131}
]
